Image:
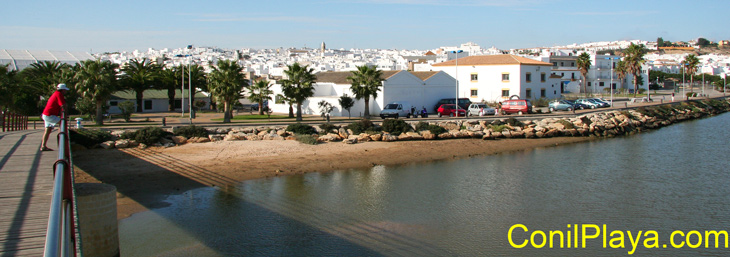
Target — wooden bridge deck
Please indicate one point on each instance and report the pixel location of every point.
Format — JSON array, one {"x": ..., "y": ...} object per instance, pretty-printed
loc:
[{"x": 26, "y": 182}]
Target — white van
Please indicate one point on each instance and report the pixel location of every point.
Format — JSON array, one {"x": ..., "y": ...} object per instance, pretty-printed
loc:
[{"x": 396, "y": 109}]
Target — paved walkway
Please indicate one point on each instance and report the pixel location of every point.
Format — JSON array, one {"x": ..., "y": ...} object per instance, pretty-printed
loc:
[{"x": 26, "y": 182}]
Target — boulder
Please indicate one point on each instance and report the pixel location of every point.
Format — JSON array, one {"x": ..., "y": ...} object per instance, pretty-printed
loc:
[
  {"x": 180, "y": 140},
  {"x": 387, "y": 137},
  {"x": 350, "y": 141},
  {"x": 415, "y": 135},
  {"x": 428, "y": 135},
  {"x": 363, "y": 137},
  {"x": 108, "y": 145},
  {"x": 214, "y": 138},
  {"x": 121, "y": 143},
  {"x": 376, "y": 137},
  {"x": 404, "y": 137}
]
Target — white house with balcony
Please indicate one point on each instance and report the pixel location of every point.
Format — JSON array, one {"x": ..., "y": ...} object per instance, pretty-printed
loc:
[
  {"x": 420, "y": 89},
  {"x": 498, "y": 77}
]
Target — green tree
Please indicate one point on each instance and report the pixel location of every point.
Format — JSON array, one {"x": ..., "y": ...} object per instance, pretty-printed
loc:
[
  {"x": 8, "y": 87},
  {"x": 299, "y": 85},
  {"x": 127, "y": 108},
  {"x": 702, "y": 42},
  {"x": 365, "y": 83},
  {"x": 198, "y": 78},
  {"x": 169, "y": 82},
  {"x": 283, "y": 99},
  {"x": 226, "y": 82},
  {"x": 660, "y": 42},
  {"x": 346, "y": 103},
  {"x": 620, "y": 71},
  {"x": 584, "y": 64},
  {"x": 691, "y": 62},
  {"x": 97, "y": 81},
  {"x": 138, "y": 76},
  {"x": 45, "y": 75},
  {"x": 260, "y": 91},
  {"x": 325, "y": 108},
  {"x": 634, "y": 58}
]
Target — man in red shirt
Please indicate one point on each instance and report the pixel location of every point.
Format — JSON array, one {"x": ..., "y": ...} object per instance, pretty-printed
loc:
[{"x": 52, "y": 113}]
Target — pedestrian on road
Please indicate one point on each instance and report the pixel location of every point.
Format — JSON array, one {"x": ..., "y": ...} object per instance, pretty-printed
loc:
[{"x": 52, "y": 113}]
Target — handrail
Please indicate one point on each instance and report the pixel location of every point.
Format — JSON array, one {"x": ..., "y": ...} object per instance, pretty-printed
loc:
[
  {"x": 10, "y": 121},
  {"x": 61, "y": 236}
]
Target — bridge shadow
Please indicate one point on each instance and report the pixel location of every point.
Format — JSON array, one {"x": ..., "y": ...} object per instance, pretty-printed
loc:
[{"x": 237, "y": 221}]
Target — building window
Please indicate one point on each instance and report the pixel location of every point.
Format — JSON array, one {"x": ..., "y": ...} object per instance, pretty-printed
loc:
[
  {"x": 572, "y": 64},
  {"x": 555, "y": 64},
  {"x": 589, "y": 83},
  {"x": 528, "y": 93},
  {"x": 113, "y": 103},
  {"x": 178, "y": 103},
  {"x": 505, "y": 92},
  {"x": 505, "y": 76},
  {"x": 474, "y": 77},
  {"x": 542, "y": 77},
  {"x": 474, "y": 92},
  {"x": 528, "y": 77},
  {"x": 600, "y": 84},
  {"x": 542, "y": 92},
  {"x": 148, "y": 104},
  {"x": 572, "y": 75}
]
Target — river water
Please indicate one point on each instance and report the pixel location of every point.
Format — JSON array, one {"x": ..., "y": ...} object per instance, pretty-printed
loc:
[{"x": 674, "y": 178}]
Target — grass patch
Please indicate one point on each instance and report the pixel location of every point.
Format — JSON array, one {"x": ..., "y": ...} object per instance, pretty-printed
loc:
[{"x": 306, "y": 139}]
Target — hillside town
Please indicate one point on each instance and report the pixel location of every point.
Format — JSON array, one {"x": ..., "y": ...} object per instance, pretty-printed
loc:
[{"x": 420, "y": 77}]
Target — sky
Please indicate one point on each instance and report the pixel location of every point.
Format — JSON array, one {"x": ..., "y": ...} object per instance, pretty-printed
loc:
[{"x": 109, "y": 26}]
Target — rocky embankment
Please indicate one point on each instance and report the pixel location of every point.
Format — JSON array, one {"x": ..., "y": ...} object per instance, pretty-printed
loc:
[{"x": 602, "y": 124}]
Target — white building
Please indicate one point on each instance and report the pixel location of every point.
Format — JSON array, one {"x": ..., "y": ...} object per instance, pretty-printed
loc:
[
  {"x": 420, "y": 89},
  {"x": 498, "y": 77}
]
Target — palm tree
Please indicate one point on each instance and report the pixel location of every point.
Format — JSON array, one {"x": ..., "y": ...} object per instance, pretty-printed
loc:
[
  {"x": 45, "y": 75},
  {"x": 226, "y": 83},
  {"x": 198, "y": 78},
  {"x": 299, "y": 85},
  {"x": 97, "y": 80},
  {"x": 584, "y": 64},
  {"x": 168, "y": 81},
  {"x": 140, "y": 75},
  {"x": 365, "y": 83},
  {"x": 620, "y": 71},
  {"x": 634, "y": 58},
  {"x": 288, "y": 101},
  {"x": 8, "y": 87},
  {"x": 692, "y": 63},
  {"x": 260, "y": 91}
]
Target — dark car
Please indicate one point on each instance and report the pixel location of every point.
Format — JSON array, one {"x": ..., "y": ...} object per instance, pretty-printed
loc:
[
  {"x": 450, "y": 110},
  {"x": 463, "y": 103}
]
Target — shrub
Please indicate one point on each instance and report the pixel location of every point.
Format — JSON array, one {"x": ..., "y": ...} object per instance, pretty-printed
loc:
[
  {"x": 434, "y": 129},
  {"x": 190, "y": 131},
  {"x": 396, "y": 126},
  {"x": 361, "y": 126},
  {"x": 327, "y": 127},
  {"x": 306, "y": 139},
  {"x": 514, "y": 122},
  {"x": 420, "y": 126},
  {"x": 149, "y": 135},
  {"x": 127, "y": 108},
  {"x": 541, "y": 102},
  {"x": 499, "y": 128},
  {"x": 89, "y": 137},
  {"x": 300, "y": 128}
]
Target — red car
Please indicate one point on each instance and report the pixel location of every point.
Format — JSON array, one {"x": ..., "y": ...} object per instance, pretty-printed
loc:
[{"x": 449, "y": 110}]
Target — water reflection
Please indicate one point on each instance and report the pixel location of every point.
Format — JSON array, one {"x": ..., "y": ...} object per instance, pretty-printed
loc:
[{"x": 665, "y": 180}]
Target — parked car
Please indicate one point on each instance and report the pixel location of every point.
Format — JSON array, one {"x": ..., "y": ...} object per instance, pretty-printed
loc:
[
  {"x": 561, "y": 105},
  {"x": 450, "y": 110},
  {"x": 463, "y": 103},
  {"x": 480, "y": 110},
  {"x": 588, "y": 103},
  {"x": 519, "y": 106},
  {"x": 602, "y": 102},
  {"x": 577, "y": 105},
  {"x": 396, "y": 109}
]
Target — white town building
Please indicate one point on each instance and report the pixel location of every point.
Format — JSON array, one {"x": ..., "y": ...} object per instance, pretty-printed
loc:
[
  {"x": 494, "y": 78},
  {"x": 420, "y": 89}
]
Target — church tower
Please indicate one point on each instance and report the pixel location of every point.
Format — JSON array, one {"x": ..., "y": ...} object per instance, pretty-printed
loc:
[{"x": 322, "y": 48}]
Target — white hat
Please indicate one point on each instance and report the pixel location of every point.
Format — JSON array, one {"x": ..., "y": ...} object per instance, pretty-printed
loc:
[{"x": 62, "y": 87}]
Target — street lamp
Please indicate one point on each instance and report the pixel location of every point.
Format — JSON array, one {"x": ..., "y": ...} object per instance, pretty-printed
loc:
[
  {"x": 182, "y": 88},
  {"x": 456, "y": 73},
  {"x": 612, "y": 58}
]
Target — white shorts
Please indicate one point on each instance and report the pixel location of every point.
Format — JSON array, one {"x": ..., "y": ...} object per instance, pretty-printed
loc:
[{"x": 51, "y": 121}]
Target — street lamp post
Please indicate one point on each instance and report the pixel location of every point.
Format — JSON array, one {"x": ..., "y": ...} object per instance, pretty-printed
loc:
[
  {"x": 611, "y": 58},
  {"x": 684, "y": 93},
  {"x": 456, "y": 73}
]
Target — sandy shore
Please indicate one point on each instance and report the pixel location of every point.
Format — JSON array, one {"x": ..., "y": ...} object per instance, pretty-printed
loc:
[{"x": 145, "y": 177}]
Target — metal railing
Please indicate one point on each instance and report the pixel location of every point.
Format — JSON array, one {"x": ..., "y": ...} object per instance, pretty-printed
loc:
[
  {"x": 10, "y": 121},
  {"x": 61, "y": 235}
]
